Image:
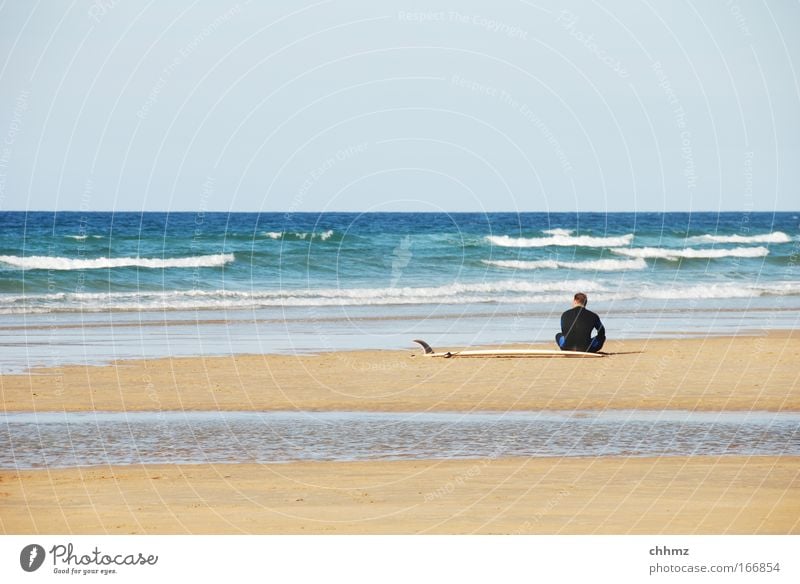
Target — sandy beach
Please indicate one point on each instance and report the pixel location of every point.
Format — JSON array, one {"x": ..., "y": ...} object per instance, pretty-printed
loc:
[
  {"x": 619, "y": 495},
  {"x": 711, "y": 373},
  {"x": 699, "y": 495}
]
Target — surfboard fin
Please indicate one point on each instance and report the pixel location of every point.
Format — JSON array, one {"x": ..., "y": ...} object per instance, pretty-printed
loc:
[{"x": 425, "y": 346}]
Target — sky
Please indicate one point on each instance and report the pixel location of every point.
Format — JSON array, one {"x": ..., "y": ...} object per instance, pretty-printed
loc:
[{"x": 454, "y": 105}]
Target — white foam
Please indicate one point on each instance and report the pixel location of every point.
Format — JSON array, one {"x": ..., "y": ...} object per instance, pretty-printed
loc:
[
  {"x": 508, "y": 292},
  {"x": 560, "y": 240},
  {"x": 722, "y": 290},
  {"x": 60, "y": 263},
  {"x": 593, "y": 265},
  {"x": 324, "y": 235},
  {"x": 559, "y": 231},
  {"x": 774, "y": 237},
  {"x": 83, "y": 236},
  {"x": 457, "y": 293},
  {"x": 691, "y": 253}
]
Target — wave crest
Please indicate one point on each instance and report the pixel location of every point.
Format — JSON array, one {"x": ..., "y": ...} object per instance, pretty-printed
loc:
[
  {"x": 301, "y": 236},
  {"x": 63, "y": 264},
  {"x": 508, "y": 292},
  {"x": 457, "y": 293},
  {"x": 722, "y": 290},
  {"x": 560, "y": 240},
  {"x": 691, "y": 253},
  {"x": 595, "y": 265},
  {"x": 558, "y": 231},
  {"x": 83, "y": 237},
  {"x": 774, "y": 237}
]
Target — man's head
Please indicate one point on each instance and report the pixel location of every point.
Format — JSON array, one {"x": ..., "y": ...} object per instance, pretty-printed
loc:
[{"x": 580, "y": 299}]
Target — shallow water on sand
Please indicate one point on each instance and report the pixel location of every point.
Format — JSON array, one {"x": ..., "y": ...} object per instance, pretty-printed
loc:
[{"x": 57, "y": 440}]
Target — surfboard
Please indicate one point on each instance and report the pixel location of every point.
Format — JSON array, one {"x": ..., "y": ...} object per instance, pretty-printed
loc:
[{"x": 429, "y": 352}]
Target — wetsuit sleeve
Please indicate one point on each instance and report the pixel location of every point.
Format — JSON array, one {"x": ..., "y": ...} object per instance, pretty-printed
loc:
[{"x": 601, "y": 330}]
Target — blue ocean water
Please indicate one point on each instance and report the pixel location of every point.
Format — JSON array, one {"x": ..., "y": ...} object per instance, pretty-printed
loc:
[{"x": 282, "y": 282}]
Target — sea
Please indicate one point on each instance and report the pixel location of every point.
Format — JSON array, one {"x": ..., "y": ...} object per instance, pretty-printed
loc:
[{"x": 82, "y": 287}]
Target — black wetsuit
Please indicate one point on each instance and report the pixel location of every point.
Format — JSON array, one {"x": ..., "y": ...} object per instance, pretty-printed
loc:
[{"x": 576, "y": 331}]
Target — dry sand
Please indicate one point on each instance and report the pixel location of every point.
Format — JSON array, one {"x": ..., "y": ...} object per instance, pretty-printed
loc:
[
  {"x": 709, "y": 495},
  {"x": 700, "y": 495}
]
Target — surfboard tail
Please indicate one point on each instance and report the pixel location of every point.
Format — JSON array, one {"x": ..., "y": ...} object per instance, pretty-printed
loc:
[{"x": 425, "y": 346}]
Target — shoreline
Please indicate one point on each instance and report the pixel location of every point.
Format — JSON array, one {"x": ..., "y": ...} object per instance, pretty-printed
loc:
[
  {"x": 56, "y": 340},
  {"x": 707, "y": 374},
  {"x": 615, "y": 495}
]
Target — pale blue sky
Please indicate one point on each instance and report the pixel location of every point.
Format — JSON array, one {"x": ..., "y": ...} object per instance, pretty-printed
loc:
[{"x": 379, "y": 106}]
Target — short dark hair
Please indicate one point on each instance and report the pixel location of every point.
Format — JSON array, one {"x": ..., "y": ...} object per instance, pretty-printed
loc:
[{"x": 581, "y": 298}]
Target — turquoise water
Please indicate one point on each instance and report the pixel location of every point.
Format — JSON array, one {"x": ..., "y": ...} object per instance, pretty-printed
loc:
[
  {"x": 90, "y": 287},
  {"x": 53, "y": 440}
]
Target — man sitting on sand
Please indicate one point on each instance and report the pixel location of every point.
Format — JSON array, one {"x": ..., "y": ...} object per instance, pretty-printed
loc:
[{"x": 576, "y": 328}]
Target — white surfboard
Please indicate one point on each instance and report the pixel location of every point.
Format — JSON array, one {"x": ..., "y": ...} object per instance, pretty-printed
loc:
[{"x": 429, "y": 352}]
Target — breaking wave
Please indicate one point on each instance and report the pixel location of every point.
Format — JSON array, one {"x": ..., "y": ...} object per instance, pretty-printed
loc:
[
  {"x": 60, "y": 263},
  {"x": 721, "y": 290},
  {"x": 507, "y": 292},
  {"x": 497, "y": 292},
  {"x": 691, "y": 253},
  {"x": 595, "y": 265},
  {"x": 560, "y": 239},
  {"x": 774, "y": 237},
  {"x": 322, "y": 235},
  {"x": 559, "y": 231},
  {"x": 83, "y": 237}
]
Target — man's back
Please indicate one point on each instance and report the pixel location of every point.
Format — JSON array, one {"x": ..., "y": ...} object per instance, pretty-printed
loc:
[{"x": 577, "y": 325}]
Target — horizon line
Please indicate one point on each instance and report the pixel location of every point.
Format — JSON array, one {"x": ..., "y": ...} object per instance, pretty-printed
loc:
[{"x": 289, "y": 212}]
